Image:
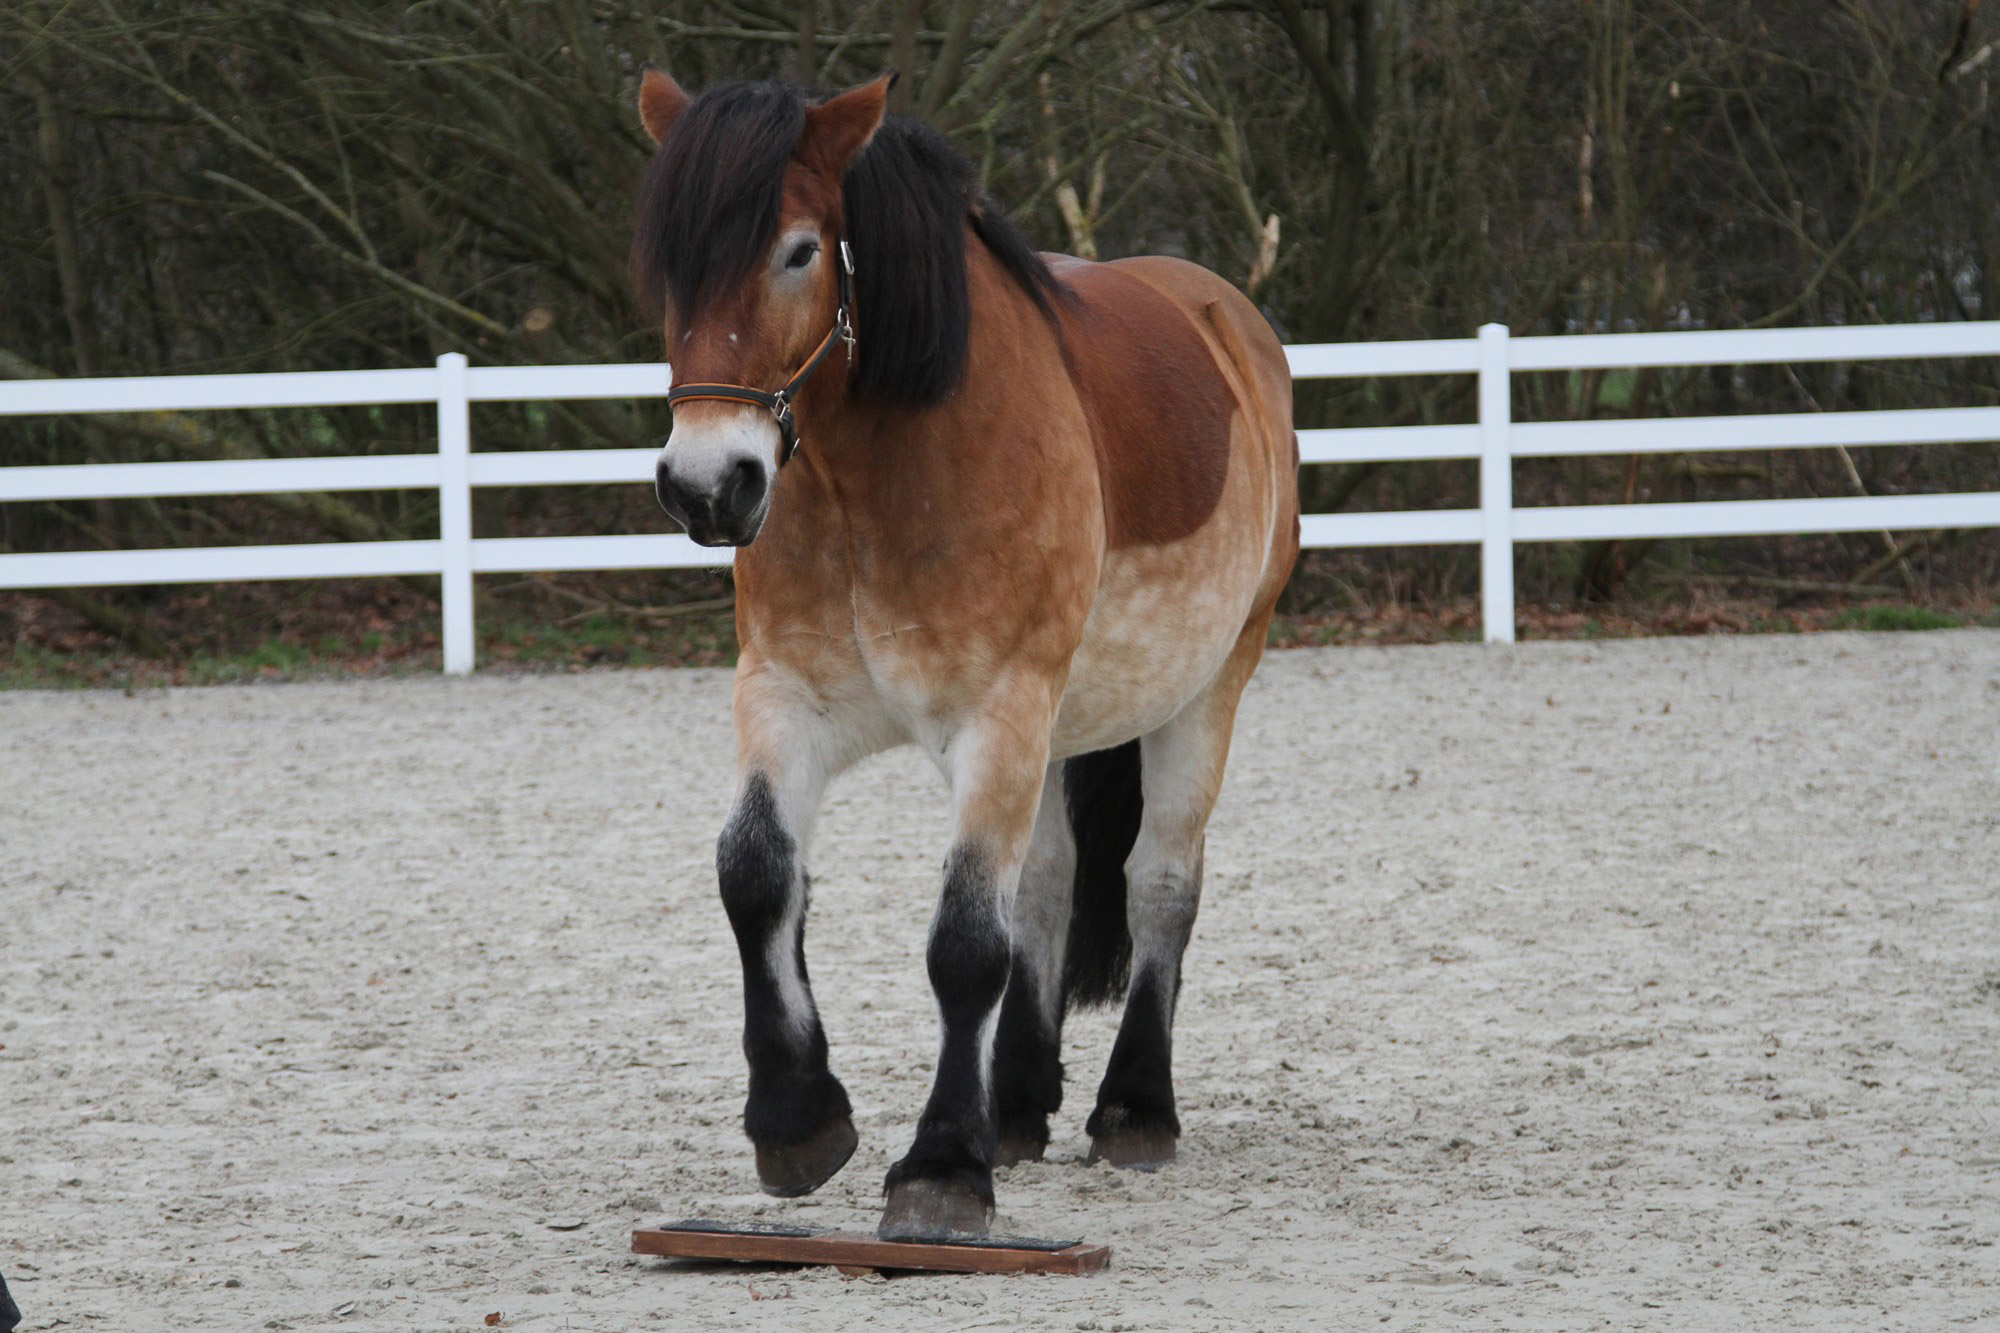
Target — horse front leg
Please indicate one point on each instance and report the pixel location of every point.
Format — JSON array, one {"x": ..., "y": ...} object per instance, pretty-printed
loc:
[
  {"x": 797, "y": 1114},
  {"x": 943, "y": 1187},
  {"x": 1027, "y": 1045}
]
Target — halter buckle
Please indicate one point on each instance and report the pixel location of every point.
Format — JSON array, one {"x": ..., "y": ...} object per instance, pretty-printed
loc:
[{"x": 843, "y": 323}]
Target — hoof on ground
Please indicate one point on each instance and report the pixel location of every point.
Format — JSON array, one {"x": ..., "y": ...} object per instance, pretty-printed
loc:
[
  {"x": 1013, "y": 1149},
  {"x": 1134, "y": 1149},
  {"x": 801, "y": 1168},
  {"x": 933, "y": 1210}
]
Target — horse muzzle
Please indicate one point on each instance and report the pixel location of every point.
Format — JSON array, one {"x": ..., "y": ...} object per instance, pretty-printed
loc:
[{"x": 719, "y": 506}]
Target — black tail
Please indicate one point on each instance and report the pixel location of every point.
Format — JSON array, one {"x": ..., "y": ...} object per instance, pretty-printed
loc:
[{"x": 1102, "y": 792}]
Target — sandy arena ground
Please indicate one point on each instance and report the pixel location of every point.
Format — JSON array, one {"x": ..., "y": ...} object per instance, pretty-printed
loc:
[{"x": 1633, "y": 985}]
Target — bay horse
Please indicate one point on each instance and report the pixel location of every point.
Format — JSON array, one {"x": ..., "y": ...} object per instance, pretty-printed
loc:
[{"x": 1028, "y": 513}]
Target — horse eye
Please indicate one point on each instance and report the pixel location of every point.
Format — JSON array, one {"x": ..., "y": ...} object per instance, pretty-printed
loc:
[{"x": 802, "y": 254}]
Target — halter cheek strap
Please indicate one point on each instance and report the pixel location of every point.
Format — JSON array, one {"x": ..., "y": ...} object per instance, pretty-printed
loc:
[{"x": 779, "y": 402}]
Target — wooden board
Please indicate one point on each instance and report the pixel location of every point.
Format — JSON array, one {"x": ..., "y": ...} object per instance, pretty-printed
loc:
[{"x": 854, "y": 1252}]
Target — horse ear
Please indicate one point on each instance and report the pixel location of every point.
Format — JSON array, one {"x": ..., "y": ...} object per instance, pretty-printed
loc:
[
  {"x": 840, "y": 127},
  {"x": 661, "y": 102}
]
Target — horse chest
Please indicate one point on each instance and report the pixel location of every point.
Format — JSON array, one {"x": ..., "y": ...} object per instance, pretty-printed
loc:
[
  {"x": 1132, "y": 650},
  {"x": 940, "y": 628},
  {"x": 930, "y": 674}
]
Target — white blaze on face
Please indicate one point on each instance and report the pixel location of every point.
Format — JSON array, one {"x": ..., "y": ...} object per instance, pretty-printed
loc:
[{"x": 709, "y": 447}]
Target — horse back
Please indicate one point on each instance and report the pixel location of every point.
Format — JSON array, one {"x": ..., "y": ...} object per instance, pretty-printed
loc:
[{"x": 1164, "y": 356}]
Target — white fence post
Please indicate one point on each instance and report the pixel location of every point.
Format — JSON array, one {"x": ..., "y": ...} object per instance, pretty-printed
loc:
[
  {"x": 455, "y": 511},
  {"x": 1496, "y": 488}
]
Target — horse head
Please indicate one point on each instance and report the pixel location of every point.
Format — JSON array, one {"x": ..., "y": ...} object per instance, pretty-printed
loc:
[{"x": 741, "y": 255}]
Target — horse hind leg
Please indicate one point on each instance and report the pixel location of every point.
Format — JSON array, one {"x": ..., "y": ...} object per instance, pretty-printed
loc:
[{"x": 1135, "y": 1123}]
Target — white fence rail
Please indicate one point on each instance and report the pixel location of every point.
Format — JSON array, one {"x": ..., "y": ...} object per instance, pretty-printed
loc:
[{"x": 1496, "y": 526}]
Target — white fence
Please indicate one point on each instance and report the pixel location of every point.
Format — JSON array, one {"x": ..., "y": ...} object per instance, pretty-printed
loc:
[{"x": 1496, "y": 525}]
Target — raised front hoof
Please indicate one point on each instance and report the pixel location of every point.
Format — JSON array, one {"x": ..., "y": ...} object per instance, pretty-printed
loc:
[
  {"x": 1014, "y": 1149},
  {"x": 934, "y": 1210},
  {"x": 1134, "y": 1148},
  {"x": 801, "y": 1168}
]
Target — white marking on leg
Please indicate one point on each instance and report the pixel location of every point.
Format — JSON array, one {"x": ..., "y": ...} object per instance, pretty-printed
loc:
[
  {"x": 1042, "y": 903},
  {"x": 782, "y": 957},
  {"x": 798, "y": 741},
  {"x": 987, "y": 1027}
]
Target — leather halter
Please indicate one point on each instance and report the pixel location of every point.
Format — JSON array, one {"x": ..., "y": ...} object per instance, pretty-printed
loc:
[{"x": 779, "y": 402}]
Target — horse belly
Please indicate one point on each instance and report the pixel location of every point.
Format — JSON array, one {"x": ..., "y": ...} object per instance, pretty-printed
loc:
[
  {"x": 1163, "y": 623},
  {"x": 1197, "y": 469}
]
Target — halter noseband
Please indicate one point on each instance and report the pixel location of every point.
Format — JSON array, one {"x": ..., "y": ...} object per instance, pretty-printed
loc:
[{"x": 779, "y": 402}]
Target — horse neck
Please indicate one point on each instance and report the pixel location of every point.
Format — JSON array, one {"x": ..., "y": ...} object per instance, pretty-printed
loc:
[
  {"x": 886, "y": 512},
  {"x": 877, "y": 457}
]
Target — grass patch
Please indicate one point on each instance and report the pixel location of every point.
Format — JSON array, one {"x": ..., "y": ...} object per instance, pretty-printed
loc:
[
  {"x": 1894, "y": 618},
  {"x": 31, "y": 668},
  {"x": 611, "y": 640}
]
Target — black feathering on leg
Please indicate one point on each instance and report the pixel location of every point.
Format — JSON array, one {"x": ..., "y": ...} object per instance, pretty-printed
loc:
[
  {"x": 793, "y": 1095},
  {"x": 969, "y": 960},
  {"x": 1134, "y": 1122}
]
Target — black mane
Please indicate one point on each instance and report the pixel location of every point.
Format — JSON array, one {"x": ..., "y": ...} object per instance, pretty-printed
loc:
[{"x": 708, "y": 212}]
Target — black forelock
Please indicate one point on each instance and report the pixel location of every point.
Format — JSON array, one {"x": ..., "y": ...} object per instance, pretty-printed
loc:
[
  {"x": 708, "y": 208},
  {"x": 708, "y": 211}
]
